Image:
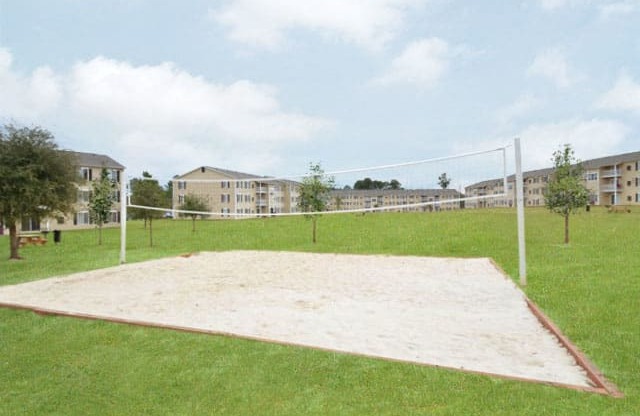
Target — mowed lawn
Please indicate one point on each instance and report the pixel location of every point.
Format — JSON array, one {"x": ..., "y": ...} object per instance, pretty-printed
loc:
[{"x": 65, "y": 366}]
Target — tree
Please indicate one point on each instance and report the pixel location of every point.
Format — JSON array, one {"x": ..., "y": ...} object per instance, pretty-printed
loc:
[
  {"x": 101, "y": 201},
  {"x": 196, "y": 204},
  {"x": 36, "y": 178},
  {"x": 313, "y": 194},
  {"x": 147, "y": 192},
  {"x": 566, "y": 193},
  {"x": 368, "y": 183},
  {"x": 444, "y": 181}
]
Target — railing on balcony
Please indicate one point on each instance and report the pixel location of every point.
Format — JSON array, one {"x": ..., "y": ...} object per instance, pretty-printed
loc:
[
  {"x": 262, "y": 190},
  {"x": 610, "y": 188},
  {"x": 261, "y": 202},
  {"x": 613, "y": 173}
]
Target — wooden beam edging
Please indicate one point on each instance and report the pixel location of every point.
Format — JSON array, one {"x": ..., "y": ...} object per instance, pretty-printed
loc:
[{"x": 603, "y": 385}]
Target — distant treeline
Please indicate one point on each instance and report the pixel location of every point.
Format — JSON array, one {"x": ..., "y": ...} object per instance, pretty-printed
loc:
[{"x": 368, "y": 183}]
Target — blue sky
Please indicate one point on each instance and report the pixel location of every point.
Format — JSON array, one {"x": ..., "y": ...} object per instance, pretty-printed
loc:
[{"x": 268, "y": 86}]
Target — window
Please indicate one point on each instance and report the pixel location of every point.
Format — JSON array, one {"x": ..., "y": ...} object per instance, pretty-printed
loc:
[
  {"x": 629, "y": 198},
  {"x": 182, "y": 185},
  {"x": 114, "y": 175},
  {"x": 60, "y": 220},
  {"x": 592, "y": 176},
  {"x": 180, "y": 199},
  {"x": 628, "y": 167},
  {"x": 85, "y": 173},
  {"x": 628, "y": 183},
  {"x": 84, "y": 197},
  {"x": 637, "y": 197},
  {"x": 82, "y": 218},
  {"x": 225, "y": 198}
]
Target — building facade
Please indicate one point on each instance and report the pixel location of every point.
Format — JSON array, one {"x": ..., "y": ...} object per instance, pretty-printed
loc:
[
  {"x": 402, "y": 200},
  {"x": 234, "y": 194},
  {"x": 611, "y": 180},
  {"x": 89, "y": 167}
]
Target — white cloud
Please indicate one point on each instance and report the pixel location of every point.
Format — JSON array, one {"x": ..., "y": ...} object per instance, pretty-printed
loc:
[
  {"x": 422, "y": 63},
  {"x": 158, "y": 117},
  {"x": 523, "y": 106},
  {"x": 589, "y": 138},
  {"x": 265, "y": 23},
  {"x": 625, "y": 96},
  {"x": 27, "y": 96},
  {"x": 552, "y": 64},
  {"x": 559, "y": 4},
  {"x": 620, "y": 8}
]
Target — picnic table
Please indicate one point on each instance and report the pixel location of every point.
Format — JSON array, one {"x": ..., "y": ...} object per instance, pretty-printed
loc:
[{"x": 31, "y": 238}]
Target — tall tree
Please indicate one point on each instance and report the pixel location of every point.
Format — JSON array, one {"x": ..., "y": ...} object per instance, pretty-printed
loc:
[
  {"x": 444, "y": 181},
  {"x": 313, "y": 194},
  {"x": 147, "y": 192},
  {"x": 195, "y": 204},
  {"x": 36, "y": 178},
  {"x": 566, "y": 192},
  {"x": 101, "y": 201}
]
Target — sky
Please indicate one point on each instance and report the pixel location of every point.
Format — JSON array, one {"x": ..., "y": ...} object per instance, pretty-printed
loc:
[{"x": 270, "y": 86}]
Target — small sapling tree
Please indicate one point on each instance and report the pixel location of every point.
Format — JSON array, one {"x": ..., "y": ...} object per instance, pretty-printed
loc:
[
  {"x": 313, "y": 194},
  {"x": 566, "y": 192},
  {"x": 101, "y": 201}
]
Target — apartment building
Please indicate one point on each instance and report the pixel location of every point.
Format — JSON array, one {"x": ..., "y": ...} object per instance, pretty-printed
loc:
[
  {"x": 403, "y": 199},
  {"x": 611, "y": 180},
  {"x": 89, "y": 166},
  {"x": 229, "y": 192}
]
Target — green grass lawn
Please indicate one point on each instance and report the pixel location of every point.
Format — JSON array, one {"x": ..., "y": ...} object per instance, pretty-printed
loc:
[{"x": 65, "y": 366}]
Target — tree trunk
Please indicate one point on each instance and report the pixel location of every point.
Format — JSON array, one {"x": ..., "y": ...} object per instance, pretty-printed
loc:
[
  {"x": 314, "y": 221},
  {"x": 100, "y": 234},
  {"x": 150, "y": 232},
  {"x": 13, "y": 242},
  {"x": 193, "y": 224},
  {"x": 566, "y": 229}
]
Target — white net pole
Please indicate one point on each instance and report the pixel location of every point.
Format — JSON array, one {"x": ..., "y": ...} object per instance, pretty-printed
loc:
[
  {"x": 123, "y": 217},
  {"x": 520, "y": 212}
]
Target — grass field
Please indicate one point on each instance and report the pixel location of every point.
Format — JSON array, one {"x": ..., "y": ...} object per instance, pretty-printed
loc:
[{"x": 590, "y": 288}]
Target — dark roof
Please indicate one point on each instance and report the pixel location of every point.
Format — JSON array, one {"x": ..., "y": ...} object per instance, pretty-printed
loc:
[
  {"x": 397, "y": 192},
  {"x": 231, "y": 174},
  {"x": 95, "y": 160},
  {"x": 611, "y": 160},
  {"x": 587, "y": 164}
]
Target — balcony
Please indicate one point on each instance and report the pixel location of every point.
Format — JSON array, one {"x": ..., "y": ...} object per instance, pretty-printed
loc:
[
  {"x": 611, "y": 173},
  {"x": 261, "y": 203},
  {"x": 609, "y": 188},
  {"x": 262, "y": 190}
]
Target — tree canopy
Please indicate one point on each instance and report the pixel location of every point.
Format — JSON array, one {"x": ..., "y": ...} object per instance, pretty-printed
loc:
[
  {"x": 368, "y": 183},
  {"x": 566, "y": 192},
  {"x": 195, "y": 204},
  {"x": 36, "y": 178},
  {"x": 147, "y": 192},
  {"x": 444, "y": 181},
  {"x": 313, "y": 193}
]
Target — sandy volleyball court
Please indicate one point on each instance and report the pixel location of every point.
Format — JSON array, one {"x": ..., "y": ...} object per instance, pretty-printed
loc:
[{"x": 458, "y": 313}]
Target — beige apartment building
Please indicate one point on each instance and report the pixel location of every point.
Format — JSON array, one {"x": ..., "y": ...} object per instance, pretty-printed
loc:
[
  {"x": 89, "y": 167},
  {"x": 611, "y": 180},
  {"x": 235, "y": 194},
  {"x": 404, "y": 200}
]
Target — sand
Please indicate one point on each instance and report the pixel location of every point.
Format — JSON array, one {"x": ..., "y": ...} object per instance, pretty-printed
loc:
[{"x": 457, "y": 313}]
